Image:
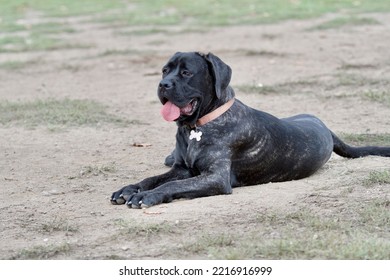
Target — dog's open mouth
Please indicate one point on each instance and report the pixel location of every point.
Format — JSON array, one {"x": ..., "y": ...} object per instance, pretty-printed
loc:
[
  {"x": 172, "y": 112},
  {"x": 189, "y": 109}
]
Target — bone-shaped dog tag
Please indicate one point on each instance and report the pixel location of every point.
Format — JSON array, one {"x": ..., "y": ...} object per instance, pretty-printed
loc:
[{"x": 196, "y": 135}]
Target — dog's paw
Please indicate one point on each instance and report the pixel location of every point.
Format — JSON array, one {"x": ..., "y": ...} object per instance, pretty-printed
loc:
[
  {"x": 147, "y": 199},
  {"x": 122, "y": 195}
]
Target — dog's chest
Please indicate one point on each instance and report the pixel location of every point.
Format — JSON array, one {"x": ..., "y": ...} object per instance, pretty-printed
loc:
[{"x": 195, "y": 145}]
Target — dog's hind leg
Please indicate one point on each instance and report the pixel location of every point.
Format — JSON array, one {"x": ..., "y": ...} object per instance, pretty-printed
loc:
[{"x": 344, "y": 150}]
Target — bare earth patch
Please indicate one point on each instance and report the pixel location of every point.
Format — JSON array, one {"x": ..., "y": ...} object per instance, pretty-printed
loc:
[{"x": 56, "y": 183}]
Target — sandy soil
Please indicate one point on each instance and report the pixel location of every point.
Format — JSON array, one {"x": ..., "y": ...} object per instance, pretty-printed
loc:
[{"x": 55, "y": 188}]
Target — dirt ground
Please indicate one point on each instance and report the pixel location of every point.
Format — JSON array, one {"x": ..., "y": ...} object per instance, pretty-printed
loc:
[{"x": 56, "y": 185}]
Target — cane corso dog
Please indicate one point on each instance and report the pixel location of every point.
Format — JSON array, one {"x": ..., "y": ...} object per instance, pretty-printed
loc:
[{"x": 222, "y": 143}]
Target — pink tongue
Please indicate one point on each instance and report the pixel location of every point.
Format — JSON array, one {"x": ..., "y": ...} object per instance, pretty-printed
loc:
[{"x": 170, "y": 111}]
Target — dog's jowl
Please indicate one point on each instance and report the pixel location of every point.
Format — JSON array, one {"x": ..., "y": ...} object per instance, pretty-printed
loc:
[{"x": 222, "y": 143}]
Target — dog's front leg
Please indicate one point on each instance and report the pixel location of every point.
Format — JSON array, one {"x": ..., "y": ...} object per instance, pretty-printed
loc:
[
  {"x": 200, "y": 186},
  {"x": 123, "y": 194}
]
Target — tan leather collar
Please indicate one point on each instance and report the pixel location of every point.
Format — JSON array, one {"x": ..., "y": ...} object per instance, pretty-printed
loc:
[{"x": 215, "y": 114}]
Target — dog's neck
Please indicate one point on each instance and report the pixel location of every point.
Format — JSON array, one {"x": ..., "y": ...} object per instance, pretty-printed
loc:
[
  {"x": 215, "y": 113},
  {"x": 215, "y": 108},
  {"x": 219, "y": 107}
]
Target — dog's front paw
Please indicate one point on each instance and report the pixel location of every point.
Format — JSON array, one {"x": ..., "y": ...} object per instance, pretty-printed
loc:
[
  {"x": 122, "y": 195},
  {"x": 147, "y": 199}
]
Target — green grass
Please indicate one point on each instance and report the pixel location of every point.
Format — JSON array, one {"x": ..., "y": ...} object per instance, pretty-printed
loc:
[
  {"x": 381, "y": 96},
  {"x": 35, "y": 42},
  {"x": 56, "y": 113},
  {"x": 356, "y": 66},
  {"x": 229, "y": 12},
  {"x": 16, "y": 9},
  {"x": 113, "y": 52},
  {"x": 17, "y": 15},
  {"x": 299, "y": 86},
  {"x": 305, "y": 235},
  {"x": 201, "y": 12},
  {"x": 263, "y": 53},
  {"x": 41, "y": 28},
  {"x": 377, "y": 177},
  {"x": 259, "y": 89},
  {"x": 51, "y": 28},
  {"x": 42, "y": 252},
  {"x": 14, "y": 65},
  {"x": 58, "y": 224},
  {"x": 365, "y": 139},
  {"x": 97, "y": 170},
  {"x": 349, "y": 21},
  {"x": 375, "y": 215},
  {"x": 357, "y": 80},
  {"x": 134, "y": 228},
  {"x": 313, "y": 246},
  {"x": 153, "y": 30},
  {"x": 209, "y": 242}
]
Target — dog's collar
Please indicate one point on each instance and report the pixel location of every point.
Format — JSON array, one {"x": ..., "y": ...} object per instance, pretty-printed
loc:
[{"x": 215, "y": 114}]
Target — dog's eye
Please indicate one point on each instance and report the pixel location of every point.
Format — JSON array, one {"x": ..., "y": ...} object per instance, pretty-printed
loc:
[
  {"x": 186, "y": 73},
  {"x": 165, "y": 70}
]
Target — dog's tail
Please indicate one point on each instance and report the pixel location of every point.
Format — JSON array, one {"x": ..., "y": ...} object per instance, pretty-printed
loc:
[{"x": 344, "y": 150}]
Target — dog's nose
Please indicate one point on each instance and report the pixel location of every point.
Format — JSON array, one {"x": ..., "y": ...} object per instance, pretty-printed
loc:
[{"x": 166, "y": 84}]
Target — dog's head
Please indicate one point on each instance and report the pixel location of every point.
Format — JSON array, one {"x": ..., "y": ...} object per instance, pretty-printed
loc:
[{"x": 192, "y": 85}]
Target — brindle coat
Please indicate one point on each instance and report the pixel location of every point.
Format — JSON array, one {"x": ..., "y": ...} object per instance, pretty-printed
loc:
[{"x": 241, "y": 147}]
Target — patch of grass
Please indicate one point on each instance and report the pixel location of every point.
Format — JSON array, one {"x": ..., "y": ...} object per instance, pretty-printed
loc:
[
  {"x": 43, "y": 252},
  {"x": 14, "y": 65},
  {"x": 46, "y": 27},
  {"x": 364, "y": 87},
  {"x": 281, "y": 88},
  {"x": 382, "y": 97},
  {"x": 52, "y": 112},
  {"x": 351, "y": 66},
  {"x": 262, "y": 53},
  {"x": 113, "y": 52},
  {"x": 259, "y": 89},
  {"x": 322, "y": 246},
  {"x": 35, "y": 42},
  {"x": 357, "y": 84},
  {"x": 113, "y": 257},
  {"x": 146, "y": 230},
  {"x": 349, "y": 21},
  {"x": 378, "y": 177},
  {"x": 208, "y": 243},
  {"x": 229, "y": 12},
  {"x": 58, "y": 224},
  {"x": 143, "y": 32},
  {"x": 355, "y": 80},
  {"x": 304, "y": 235},
  {"x": 366, "y": 139},
  {"x": 72, "y": 67},
  {"x": 50, "y": 28},
  {"x": 201, "y": 12},
  {"x": 376, "y": 213},
  {"x": 308, "y": 220},
  {"x": 16, "y": 9},
  {"x": 151, "y": 31},
  {"x": 98, "y": 170}
]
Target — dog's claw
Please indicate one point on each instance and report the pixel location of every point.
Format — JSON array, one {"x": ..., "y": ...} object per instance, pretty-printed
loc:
[
  {"x": 120, "y": 200},
  {"x": 144, "y": 206}
]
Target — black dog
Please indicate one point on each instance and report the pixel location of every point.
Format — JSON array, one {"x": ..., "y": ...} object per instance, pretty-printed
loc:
[{"x": 222, "y": 143}]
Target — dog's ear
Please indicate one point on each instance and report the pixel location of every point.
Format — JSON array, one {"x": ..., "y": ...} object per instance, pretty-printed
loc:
[{"x": 221, "y": 71}]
